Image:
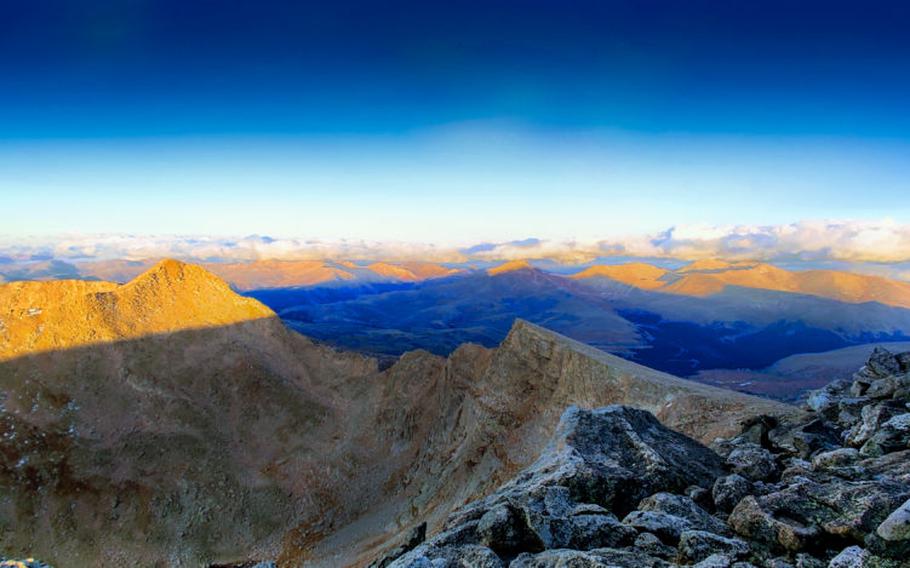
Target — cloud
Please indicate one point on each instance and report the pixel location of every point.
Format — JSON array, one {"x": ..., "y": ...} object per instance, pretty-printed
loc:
[{"x": 885, "y": 242}]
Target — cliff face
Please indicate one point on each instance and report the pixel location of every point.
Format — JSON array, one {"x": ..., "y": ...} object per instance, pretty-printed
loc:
[{"x": 171, "y": 420}]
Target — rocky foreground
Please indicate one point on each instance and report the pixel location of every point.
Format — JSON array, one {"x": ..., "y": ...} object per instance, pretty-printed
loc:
[{"x": 616, "y": 488}]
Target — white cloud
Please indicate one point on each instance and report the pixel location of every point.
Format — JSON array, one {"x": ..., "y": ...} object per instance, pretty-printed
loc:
[{"x": 806, "y": 241}]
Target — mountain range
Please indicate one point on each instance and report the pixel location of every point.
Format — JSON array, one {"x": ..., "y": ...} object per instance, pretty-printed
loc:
[
  {"x": 636, "y": 310},
  {"x": 172, "y": 421},
  {"x": 723, "y": 322}
]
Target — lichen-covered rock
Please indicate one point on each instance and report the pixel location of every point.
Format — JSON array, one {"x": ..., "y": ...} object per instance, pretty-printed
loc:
[
  {"x": 872, "y": 417},
  {"x": 753, "y": 461},
  {"x": 730, "y": 490},
  {"x": 651, "y": 545},
  {"x": 456, "y": 556},
  {"x": 850, "y": 557},
  {"x": 894, "y": 435},
  {"x": 505, "y": 530},
  {"x": 683, "y": 507},
  {"x": 751, "y": 521},
  {"x": 835, "y": 458},
  {"x": 561, "y": 558},
  {"x": 695, "y": 546},
  {"x": 805, "y": 440},
  {"x": 896, "y": 527}
]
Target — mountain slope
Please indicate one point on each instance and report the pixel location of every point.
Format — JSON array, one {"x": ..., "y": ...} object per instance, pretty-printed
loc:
[
  {"x": 168, "y": 297},
  {"x": 183, "y": 441},
  {"x": 441, "y": 314},
  {"x": 707, "y": 278}
]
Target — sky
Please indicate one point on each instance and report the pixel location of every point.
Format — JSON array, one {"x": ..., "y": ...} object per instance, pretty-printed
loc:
[{"x": 451, "y": 122}]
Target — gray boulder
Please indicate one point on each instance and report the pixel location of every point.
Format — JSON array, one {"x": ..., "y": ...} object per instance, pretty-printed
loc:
[
  {"x": 753, "y": 461},
  {"x": 896, "y": 527},
  {"x": 894, "y": 435},
  {"x": 695, "y": 546},
  {"x": 685, "y": 508},
  {"x": 850, "y": 557},
  {"x": 730, "y": 490}
]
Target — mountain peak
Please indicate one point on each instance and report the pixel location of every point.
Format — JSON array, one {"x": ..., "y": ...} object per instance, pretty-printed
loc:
[
  {"x": 510, "y": 266},
  {"x": 171, "y": 296},
  {"x": 637, "y": 274}
]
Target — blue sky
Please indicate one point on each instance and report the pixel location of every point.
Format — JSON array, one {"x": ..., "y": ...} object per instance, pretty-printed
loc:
[{"x": 453, "y": 123}]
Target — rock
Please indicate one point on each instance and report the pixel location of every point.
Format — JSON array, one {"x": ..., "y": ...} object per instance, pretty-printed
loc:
[
  {"x": 749, "y": 520},
  {"x": 794, "y": 515},
  {"x": 701, "y": 496},
  {"x": 504, "y": 530},
  {"x": 884, "y": 388},
  {"x": 805, "y": 440},
  {"x": 835, "y": 458},
  {"x": 628, "y": 558},
  {"x": 599, "y": 558},
  {"x": 558, "y": 559},
  {"x": 411, "y": 540},
  {"x": 652, "y": 546},
  {"x": 896, "y": 527},
  {"x": 894, "y": 435},
  {"x": 825, "y": 399},
  {"x": 667, "y": 527},
  {"x": 903, "y": 361},
  {"x": 598, "y": 463},
  {"x": 729, "y": 490},
  {"x": 463, "y": 556},
  {"x": 753, "y": 461},
  {"x": 716, "y": 561},
  {"x": 850, "y": 557},
  {"x": 695, "y": 546},
  {"x": 685, "y": 508},
  {"x": 599, "y": 531},
  {"x": 804, "y": 560},
  {"x": 881, "y": 363},
  {"x": 872, "y": 417}
]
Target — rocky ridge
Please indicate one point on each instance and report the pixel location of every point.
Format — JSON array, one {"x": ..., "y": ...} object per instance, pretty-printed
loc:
[{"x": 616, "y": 488}]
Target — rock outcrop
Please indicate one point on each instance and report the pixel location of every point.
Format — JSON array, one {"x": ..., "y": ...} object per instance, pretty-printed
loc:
[{"x": 616, "y": 488}]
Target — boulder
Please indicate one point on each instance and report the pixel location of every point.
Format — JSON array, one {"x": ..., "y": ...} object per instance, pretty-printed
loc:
[
  {"x": 561, "y": 558},
  {"x": 505, "y": 530},
  {"x": 872, "y": 417},
  {"x": 894, "y": 435},
  {"x": 667, "y": 527},
  {"x": 753, "y": 461},
  {"x": 805, "y": 440},
  {"x": 459, "y": 556},
  {"x": 896, "y": 527},
  {"x": 695, "y": 546},
  {"x": 835, "y": 458},
  {"x": 751, "y": 521},
  {"x": 653, "y": 546},
  {"x": 850, "y": 557},
  {"x": 729, "y": 490},
  {"x": 685, "y": 508}
]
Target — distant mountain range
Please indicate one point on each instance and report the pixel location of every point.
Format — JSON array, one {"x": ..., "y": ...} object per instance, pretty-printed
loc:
[
  {"x": 707, "y": 318},
  {"x": 749, "y": 317}
]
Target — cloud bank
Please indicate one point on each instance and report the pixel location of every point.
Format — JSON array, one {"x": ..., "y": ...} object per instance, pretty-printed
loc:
[{"x": 805, "y": 241}]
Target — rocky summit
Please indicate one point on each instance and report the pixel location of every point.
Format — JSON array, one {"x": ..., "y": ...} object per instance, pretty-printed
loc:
[{"x": 616, "y": 488}]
